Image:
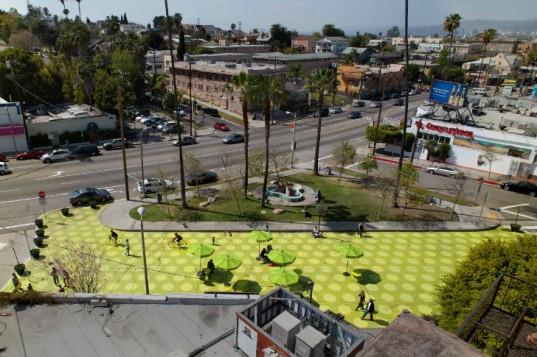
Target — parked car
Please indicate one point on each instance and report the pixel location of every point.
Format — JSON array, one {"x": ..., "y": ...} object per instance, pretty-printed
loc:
[
  {"x": 211, "y": 111},
  {"x": 85, "y": 150},
  {"x": 444, "y": 171},
  {"x": 335, "y": 110},
  {"x": 374, "y": 104},
  {"x": 399, "y": 102},
  {"x": 395, "y": 95},
  {"x": 154, "y": 185},
  {"x": 201, "y": 178},
  {"x": 155, "y": 122},
  {"x": 84, "y": 196},
  {"x": 56, "y": 155},
  {"x": 165, "y": 124},
  {"x": 3, "y": 157},
  {"x": 525, "y": 187},
  {"x": 143, "y": 118},
  {"x": 4, "y": 170},
  {"x": 171, "y": 129},
  {"x": 221, "y": 126},
  {"x": 233, "y": 139},
  {"x": 354, "y": 115},
  {"x": 358, "y": 103},
  {"x": 185, "y": 140},
  {"x": 116, "y": 144},
  {"x": 29, "y": 155}
]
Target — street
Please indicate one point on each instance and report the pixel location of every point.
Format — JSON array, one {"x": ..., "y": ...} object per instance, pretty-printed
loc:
[{"x": 18, "y": 191}]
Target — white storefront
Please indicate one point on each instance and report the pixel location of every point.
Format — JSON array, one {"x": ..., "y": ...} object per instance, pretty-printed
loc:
[
  {"x": 515, "y": 155},
  {"x": 12, "y": 131}
]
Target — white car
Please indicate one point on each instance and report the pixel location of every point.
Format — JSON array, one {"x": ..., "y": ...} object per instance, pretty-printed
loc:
[
  {"x": 444, "y": 171},
  {"x": 374, "y": 104},
  {"x": 4, "y": 170},
  {"x": 143, "y": 120},
  {"x": 154, "y": 185},
  {"x": 140, "y": 117},
  {"x": 335, "y": 110},
  {"x": 56, "y": 155},
  {"x": 164, "y": 125}
]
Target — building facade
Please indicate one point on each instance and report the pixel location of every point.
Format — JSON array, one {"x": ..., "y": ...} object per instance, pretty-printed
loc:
[
  {"x": 363, "y": 81},
  {"x": 334, "y": 45},
  {"x": 505, "y": 47},
  {"x": 308, "y": 62},
  {"x": 304, "y": 43},
  {"x": 430, "y": 47},
  {"x": 12, "y": 129},
  {"x": 154, "y": 62},
  {"x": 238, "y": 48}
]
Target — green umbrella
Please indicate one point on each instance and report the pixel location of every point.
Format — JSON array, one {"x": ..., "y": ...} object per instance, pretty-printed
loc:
[
  {"x": 259, "y": 237},
  {"x": 350, "y": 251},
  {"x": 281, "y": 257},
  {"x": 201, "y": 250},
  {"x": 283, "y": 277},
  {"x": 227, "y": 261}
]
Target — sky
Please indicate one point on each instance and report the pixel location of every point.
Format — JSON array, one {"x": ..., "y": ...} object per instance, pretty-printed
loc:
[{"x": 302, "y": 15}]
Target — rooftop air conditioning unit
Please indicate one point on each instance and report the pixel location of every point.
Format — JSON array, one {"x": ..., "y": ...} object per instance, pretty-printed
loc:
[
  {"x": 310, "y": 343},
  {"x": 231, "y": 65},
  {"x": 284, "y": 329}
]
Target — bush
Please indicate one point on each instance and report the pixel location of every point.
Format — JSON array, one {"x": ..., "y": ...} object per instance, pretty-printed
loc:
[
  {"x": 443, "y": 152},
  {"x": 34, "y": 253}
]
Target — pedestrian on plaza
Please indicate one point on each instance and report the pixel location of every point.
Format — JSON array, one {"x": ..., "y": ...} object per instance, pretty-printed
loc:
[
  {"x": 361, "y": 301},
  {"x": 127, "y": 248},
  {"x": 61, "y": 289},
  {"x": 370, "y": 309},
  {"x": 54, "y": 274},
  {"x": 30, "y": 287},
  {"x": 16, "y": 282},
  {"x": 66, "y": 277},
  {"x": 361, "y": 229},
  {"x": 211, "y": 268},
  {"x": 113, "y": 237},
  {"x": 214, "y": 239}
]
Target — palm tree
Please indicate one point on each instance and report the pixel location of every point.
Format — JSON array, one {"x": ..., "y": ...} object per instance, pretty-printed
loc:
[
  {"x": 243, "y": 82},
  {"x": 451, "y": 24},
  {"x": 266, "y": 92},
  {"x": 79, "y": 12},
  {"x": 294, "y": 73},
  {"x": 486, "y": 37},
  {"x": 322, "y": 82}
]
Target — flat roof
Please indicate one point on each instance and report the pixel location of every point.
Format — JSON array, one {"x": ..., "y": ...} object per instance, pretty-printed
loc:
[
  {"x": 68, "y": 111},
  {"x": 130, "y": 329},
  {"x": 231, "y": 68},
  {"x": 295, "y": 57}
]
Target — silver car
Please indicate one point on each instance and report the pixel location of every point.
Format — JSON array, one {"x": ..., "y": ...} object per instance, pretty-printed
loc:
[
  {"x": 444, "y": 171},
  {"x": 56, "y": 155}
]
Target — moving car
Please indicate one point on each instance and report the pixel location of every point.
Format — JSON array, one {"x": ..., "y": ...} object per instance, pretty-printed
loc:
[
  {"x": 233, "y": 139},
  {"x": 358, "y": 103},
  {"x": 211, "y": 111},
  {"x": 154, "y": 185},
  {"x": 201, "y": 178},
  {"x": 374, "y": 104},
  {"x": 29, "y": 155},
  {"x": 3, "y": 157},
  {"x": 84, "y": 196},
  {"x": 354, "y": 115},
  {"x": 525, "y": 187},
  {"x": 444, "y": 171},
  {"x": 221, "y": 126},
  {"x": 116, "y": 144},
  {"x": 85, "y": 151},
  {"x": 398, "y": 102},
  {"x": 185, "y": 140},
  {"x": 56, "y": 155},
  {"x": 4, "y": 170},
  {"x": 335, "y": 110}
]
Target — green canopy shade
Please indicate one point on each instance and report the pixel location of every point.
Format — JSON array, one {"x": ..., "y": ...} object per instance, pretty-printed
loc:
[
  {"x": 283, "y": 277},
  {"x": 281, "y": 257},
  {"x": 350, "y": 251},
  {"x": 260, "y": 237},
  {"x": 201, "y": 250},
  {"x": 227, "y": 261}
]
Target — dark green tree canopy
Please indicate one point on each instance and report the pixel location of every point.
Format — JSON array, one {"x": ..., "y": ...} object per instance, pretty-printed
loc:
[{"x": 332, "y": 30}]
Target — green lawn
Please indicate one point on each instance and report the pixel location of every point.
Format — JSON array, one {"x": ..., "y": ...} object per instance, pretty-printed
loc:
[
  {"x": 399, "y": 270},
  {"x": 350, "y": 201}
]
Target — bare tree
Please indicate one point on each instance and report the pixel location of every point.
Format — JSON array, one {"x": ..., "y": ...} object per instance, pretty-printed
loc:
[
  {"x": 256, "y": 164},
  {"x": 490, "y": 157},
  {"x": 232, "y": 185},
  {"x": 457, "y": 187},
  {"x": 344, "y": 154},
  {"x": 83, "y": 265},
  {"x": 279, "y": 160},
  {"x": 192, "y": 166},
  {"x": 161, "y": 175},
  {"x": 25, "y": 40},
  {"x": 409, "y": 176}
]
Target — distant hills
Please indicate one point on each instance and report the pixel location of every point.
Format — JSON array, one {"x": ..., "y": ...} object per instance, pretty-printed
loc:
[{"x": 469, "y": 27}]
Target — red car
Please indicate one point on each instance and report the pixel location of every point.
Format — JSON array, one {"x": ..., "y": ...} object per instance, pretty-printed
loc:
[
  {"x": 3, "y": 157},
  {"x": 221, "y": 126},
  {"x": 29, "y": 155}
]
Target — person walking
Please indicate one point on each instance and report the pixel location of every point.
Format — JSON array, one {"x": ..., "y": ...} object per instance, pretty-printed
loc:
[
  {"x": 66, "y": 277},
  {"x": 127, "y": 248},
  {"x": 370, "y": 309},
  {"x": 361, "y": 301},
  {"x": 54, "y": 274},
  {"x": 16, "y": 282},
  {"x": 113, "y": 237},
  {"x": 361, "y": 229},
  {"x": 30, "y": 287}
]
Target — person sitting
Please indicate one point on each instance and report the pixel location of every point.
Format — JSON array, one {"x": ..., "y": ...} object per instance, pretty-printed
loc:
[
  {"x": 211, "y": 268},
  {"x": 269, "y": 248},
  {"x": 178, "y": 239},
  {"x": 316, "y": 232},
  {"x": 263, "y": 255}
]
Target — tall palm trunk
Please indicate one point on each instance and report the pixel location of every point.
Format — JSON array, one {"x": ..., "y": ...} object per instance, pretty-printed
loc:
[
  {"x": 266, "y": 114},
  {"x": 79, "y": 12},
  {"x": 318, "y": 139},
  {"x": 452, "y": 58},
  {"x": 246, "y": 141},
  {"x": 481, "y": 65}
]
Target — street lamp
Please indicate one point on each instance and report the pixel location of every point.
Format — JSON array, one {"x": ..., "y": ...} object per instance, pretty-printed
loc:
[
  {"x": 142, "y": 160},
  {"x": 293, "y": 141},
  {"x": 141, "y": 212}
]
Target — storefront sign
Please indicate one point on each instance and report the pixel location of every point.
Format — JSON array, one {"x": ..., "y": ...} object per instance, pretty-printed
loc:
[
  {"x": 446, "y": 130},
  {"x": 246, "y": 339},
  {"x": 11, "y": 130}
]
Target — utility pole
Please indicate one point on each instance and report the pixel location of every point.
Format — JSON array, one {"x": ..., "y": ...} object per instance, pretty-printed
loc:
[
  {"x": 395, "y": 197},
  {"x": 190, "y": 92},
  {"x": 120, "y": 110},
  {"x": 142, "y": 161},
  {"x": 174, "y": 84},
  {"x": 380, "y": 90}
]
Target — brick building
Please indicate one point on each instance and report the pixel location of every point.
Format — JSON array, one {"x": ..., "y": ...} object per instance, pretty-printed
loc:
[
  {"x": 304, "y": 43},
  {"x": 307, "y": 61},
  {"x": 362, "y": 81}
]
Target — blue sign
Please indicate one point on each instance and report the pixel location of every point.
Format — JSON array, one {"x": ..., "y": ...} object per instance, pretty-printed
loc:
[
  {"x": 448, "y": 93},
  {"x": 534, "y": 93}
]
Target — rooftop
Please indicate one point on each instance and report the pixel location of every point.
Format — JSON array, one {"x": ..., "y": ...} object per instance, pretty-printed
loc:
[
  {"x": 235, "y": 46},
  {"x": 67, "y": 111},
  {"x": 231, "y": 68},
  {"x": 295, "y": 57}
]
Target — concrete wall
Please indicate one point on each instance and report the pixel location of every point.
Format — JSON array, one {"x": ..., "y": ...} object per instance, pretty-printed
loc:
[{"x": 12, "y": 133}]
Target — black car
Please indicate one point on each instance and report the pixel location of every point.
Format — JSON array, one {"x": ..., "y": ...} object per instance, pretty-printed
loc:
[
  {"x": 399, "y": 102},
  {"x": 395, "y": 95},
  {"x": 201, "y": 178},
  {"x": 324, "y": 113},
  {"x": 84, "y": 196},
  {"x": 185, "y": 140},
  {"x": 85, "y": 151},
  {"x": 525, "y": 187},
  {"x": 354, "y": 115},
  {"x": 233, "y": 139},
  {"x": 155, "y": 122},
  {"x": 211, "y": 111}
]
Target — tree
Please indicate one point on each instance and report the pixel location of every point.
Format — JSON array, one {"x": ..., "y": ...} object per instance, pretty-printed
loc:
[
  {"x": 316, "y": 35},
  {"x": 321, "y": 82},
  {"x": 112, "y": 26},
  {"x": 367, "y": 164},
  {"x": 358, "y": 41},
  {"x": 267, "y": 91},
  {"x": 233, "y": 27},
  {"x": 344, "y": 155},
  {"x": 443, "y": 151},
  {"x": 409, "y": 177},
  {"x": 414, "y": 71},
  {"x": 279, "y": 159},
  {"x": 79, "y": 12},
  {"x": 280, "y": 37},
  {"x": 294, "y": 72},
  {"x": 193, "y": 166},
  {"x": 159, "y": 22},
  {"x": 457, "y": 186},
  {"x": 460, "y": 291},
  {"x": 24, "y": 40},
  {"x": 451, "y": 24},
  {"x": 232, "y": 188},
  {"x": 181, "y": 49},
  {"x": 84, "y": 267},
  {"x": 256, "y": 163},
  {"x": 243, "y": 82},
  {"x": 487, "y": 37},
  {"x": 73, "y": 38},
  {"x": 490, "y": 157},
  {"x": 393, "y": 32},
  {"x": 332, "y": 30},
  {"x": 168, "y": 102}
]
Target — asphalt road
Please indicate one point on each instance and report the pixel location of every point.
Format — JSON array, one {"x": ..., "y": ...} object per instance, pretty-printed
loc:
[{"x": 18, "y": 191}]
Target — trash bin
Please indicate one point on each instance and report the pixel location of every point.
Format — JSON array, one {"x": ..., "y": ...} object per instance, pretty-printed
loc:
[{"x": 159, "y": 197}]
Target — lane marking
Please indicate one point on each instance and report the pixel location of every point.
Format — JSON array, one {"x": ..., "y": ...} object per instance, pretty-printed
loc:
[
  {"x": 16, "y": 226},
  {"x": 513, "y": 206},
  {"x": 70, "y": 182},
  {"x": 14, "y": 190},
  {"x": 520, "y": 215}
]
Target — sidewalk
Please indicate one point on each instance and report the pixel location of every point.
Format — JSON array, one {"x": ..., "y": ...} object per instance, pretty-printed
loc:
[{"x": 8, "y": 241}]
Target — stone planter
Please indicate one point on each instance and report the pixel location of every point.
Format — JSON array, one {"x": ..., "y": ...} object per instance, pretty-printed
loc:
[
  {"x": 65, "y": 211},
  {"x": 34, "y": 253},
  {"x": 515, "y": 227},
  {"x": 40, "y": 233},
  {"x": 93, "y": 204},
  {"x": 39, "y": 223},
  {"x": 38, "y": 242},
  {"x": 20, "y": 269}
]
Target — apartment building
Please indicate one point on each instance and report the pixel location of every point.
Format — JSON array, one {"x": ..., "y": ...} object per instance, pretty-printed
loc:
[{"x": 334, "y": 45}]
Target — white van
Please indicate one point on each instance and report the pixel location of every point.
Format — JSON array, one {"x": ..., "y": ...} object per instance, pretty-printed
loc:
[
  {"x": 480, "y": 91},
  {"x": 4, "y": 169}
]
